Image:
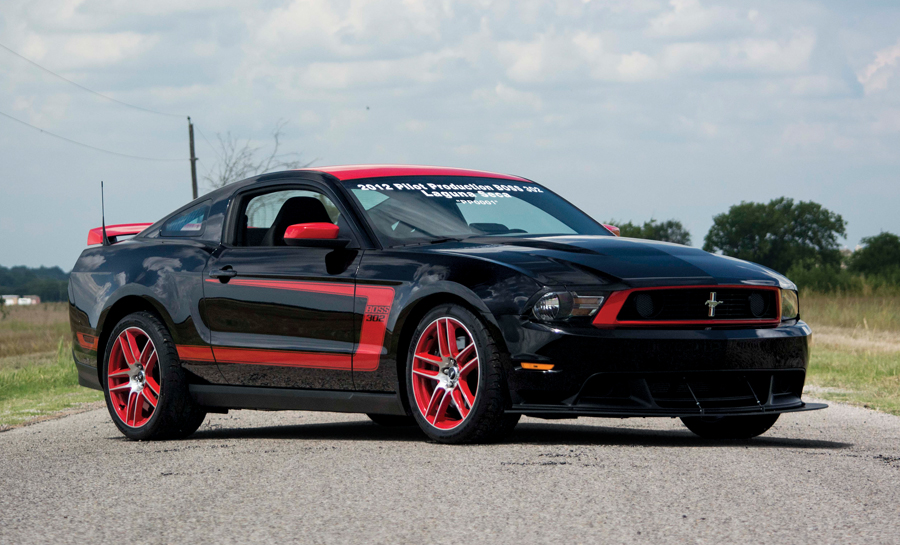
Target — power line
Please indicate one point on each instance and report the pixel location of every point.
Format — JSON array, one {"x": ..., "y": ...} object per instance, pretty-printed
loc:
[
  {"x": 213, "y": 148},
  {"x": 83, "y": 88},
  {"x": 69, "y": 140}
]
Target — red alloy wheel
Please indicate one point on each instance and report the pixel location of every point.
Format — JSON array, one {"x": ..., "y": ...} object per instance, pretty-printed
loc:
[
  {"x": 133, "y": 377},
  {"x": 445, "y": 373}
]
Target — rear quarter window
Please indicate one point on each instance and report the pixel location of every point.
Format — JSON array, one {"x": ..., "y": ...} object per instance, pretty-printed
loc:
[{"x": 190, "y": 223}]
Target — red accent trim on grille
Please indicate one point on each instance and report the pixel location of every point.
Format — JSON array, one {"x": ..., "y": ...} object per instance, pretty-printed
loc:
[
  {"x": 195, "y": 353},
  {"x": 95, "y": 235},
  {"x": 88, "y": 342},
  {"x": 367, "y": 357},
  {"x": 609, "y": 312}
]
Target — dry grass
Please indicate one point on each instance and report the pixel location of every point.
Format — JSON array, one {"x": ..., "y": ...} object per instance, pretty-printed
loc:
[
  {"x": 33, "y": 329},
  {"x": 865, "y": 312},
  {"x": 855, "y": 352}
]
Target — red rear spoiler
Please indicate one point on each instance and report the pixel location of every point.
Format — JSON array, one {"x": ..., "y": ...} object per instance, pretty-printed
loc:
[
  {"x": 95, "y": 236},
  {"x": 612, "y": 229}
]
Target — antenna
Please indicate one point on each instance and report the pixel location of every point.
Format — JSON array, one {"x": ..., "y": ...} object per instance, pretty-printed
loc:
[{"x": 103, "y": 215}]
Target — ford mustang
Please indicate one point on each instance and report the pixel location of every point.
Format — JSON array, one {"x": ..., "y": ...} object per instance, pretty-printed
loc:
[{"x": 456, "y": 300}]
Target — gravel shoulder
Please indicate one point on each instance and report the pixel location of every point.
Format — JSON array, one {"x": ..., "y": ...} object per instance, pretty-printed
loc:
[{"x": 829, "y": 476}]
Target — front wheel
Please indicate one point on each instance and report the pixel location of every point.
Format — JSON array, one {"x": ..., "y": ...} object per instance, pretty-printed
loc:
[
  {"x": 730, "y": 427},
  {"x": 454, "y": 379},
  {"x": 146, "y": 387}
]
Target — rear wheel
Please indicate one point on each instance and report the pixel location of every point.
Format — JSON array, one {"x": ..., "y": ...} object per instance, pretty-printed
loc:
[
  {"x": 455, "y": 380},
  {"x": 730, "y": 427},
  {"x": 146, "y": 388}
]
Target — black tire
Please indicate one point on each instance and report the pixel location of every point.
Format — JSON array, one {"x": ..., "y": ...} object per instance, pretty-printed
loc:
[
  {"x": 730, "y": 427},
  {"x": 176, "y": 415},
  {"x": 486, "y": 420},
  {"x": 392, "y": 420}
]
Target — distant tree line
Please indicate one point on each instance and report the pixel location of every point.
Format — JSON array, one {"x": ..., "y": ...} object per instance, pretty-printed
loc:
[
  {"x": 48, "y": 283},
  {"x": 799, "y": 239},
  {"x": 666, "y": 231}
]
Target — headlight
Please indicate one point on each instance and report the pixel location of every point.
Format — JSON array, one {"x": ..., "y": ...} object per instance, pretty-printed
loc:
[
  {"x": 790, "y": 305},
  {"x": 563, "y": 305},
  {"x": 547, "y": 307}
]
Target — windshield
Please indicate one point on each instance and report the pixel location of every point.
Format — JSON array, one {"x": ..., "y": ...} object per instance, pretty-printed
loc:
[{"x": 420, "y": 209}]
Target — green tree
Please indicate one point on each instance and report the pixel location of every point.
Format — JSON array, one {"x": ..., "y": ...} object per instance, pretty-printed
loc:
[
  {"x": 879, "y": 255},
  {"x": 666, "y": 231},
  {"x": 778, "y": 234}
]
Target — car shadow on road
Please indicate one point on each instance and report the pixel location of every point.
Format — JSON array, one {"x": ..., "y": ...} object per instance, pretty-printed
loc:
[
  {"x": 550, "y": 433},
  {"x": 579, "y": 434}
]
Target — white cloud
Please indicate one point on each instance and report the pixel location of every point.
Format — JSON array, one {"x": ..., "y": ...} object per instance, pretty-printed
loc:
[
  {"x": 503, "y": 94},
  {"x": 88, "y": 49},
  {"x": 690, "y": 19},
  {"x": 878, "y": 74},
  {"x": 754, "y": 55}
]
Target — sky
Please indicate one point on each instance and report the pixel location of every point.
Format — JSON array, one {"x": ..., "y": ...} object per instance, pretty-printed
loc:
[{"x": 632, "y": 109}]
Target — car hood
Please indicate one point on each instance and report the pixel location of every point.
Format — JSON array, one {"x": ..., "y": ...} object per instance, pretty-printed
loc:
[{"x": 637, "y": 262}]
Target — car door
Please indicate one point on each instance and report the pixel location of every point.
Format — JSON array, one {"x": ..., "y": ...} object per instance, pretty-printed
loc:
[{"x": 282, "y": 316}]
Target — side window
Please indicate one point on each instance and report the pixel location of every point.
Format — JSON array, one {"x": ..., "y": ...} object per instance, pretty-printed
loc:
[
  {"x": 190, "y": 223},
  {"x": 265, "y": 217}
]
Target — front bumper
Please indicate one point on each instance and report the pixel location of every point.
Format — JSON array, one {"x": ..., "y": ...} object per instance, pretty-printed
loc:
[
  {"x": 643, "y": 372},
  {"x": 689, "y": 393}
]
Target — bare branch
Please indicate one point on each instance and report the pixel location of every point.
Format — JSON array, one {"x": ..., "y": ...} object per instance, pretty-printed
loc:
[{"x": 240, "y": 159}]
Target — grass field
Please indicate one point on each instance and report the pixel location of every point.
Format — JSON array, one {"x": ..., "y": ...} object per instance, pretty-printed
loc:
[
  {"x": 855, "y": 356},
  {"x": 33, "y": 329},
  {"x": 872, "y": 313},
  {"x": 40, "y": 384}
]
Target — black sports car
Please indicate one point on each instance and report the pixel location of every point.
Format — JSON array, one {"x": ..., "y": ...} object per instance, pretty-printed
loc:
[{"x": 455, "y": 299}]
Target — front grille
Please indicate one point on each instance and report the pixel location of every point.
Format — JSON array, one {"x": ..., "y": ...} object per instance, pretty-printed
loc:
[{"x": 694, "y": 304}]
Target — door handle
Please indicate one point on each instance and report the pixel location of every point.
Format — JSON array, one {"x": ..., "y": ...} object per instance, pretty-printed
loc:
[{"x": 223, "y": 274}]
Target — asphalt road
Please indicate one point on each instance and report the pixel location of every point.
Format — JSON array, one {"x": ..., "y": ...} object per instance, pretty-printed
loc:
[{"x": 830, "y": 476}]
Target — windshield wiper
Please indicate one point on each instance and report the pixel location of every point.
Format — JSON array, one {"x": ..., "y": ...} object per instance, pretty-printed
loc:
[{"x": 432, "y": 241}]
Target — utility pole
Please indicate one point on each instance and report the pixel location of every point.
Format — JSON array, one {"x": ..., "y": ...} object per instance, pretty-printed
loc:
[{"x": 193, "y": 158}]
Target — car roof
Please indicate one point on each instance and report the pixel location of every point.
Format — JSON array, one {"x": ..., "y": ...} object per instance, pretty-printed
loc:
[{"x": 355, "y": 172}]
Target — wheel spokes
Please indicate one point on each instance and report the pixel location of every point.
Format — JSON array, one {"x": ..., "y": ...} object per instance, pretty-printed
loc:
[
  {"x": 464, "y": 370},
  {"x": 427, "y": 373},
  {"x": 129, "y": 409},
  {"x": 434, "y": 360},
  {"x": 149, "y": 396},
  {"x": 132, "y": 351},
  {"x": 437, "y": 397},
  {"x": 441, "y": 411},
  {"x": 132, "y": 386},
  {"x": 443, "y": 338},
  {"x": 466, "y": 393},
  {"x": 443, "y": 384},
  {"x": 458, "y": 402},
  {"x": 152, "y": 386}
]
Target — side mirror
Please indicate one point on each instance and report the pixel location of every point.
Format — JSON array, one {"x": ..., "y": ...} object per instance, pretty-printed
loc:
[
  {"x": 613, "y": 229},
  {"x": 319, "y": 235}
]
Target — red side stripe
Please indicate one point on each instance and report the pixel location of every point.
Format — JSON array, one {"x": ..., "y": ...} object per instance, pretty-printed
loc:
[
  {"x": 367, "y": 357},
  {"x": 283, "y": 358},
  {"x": 195, "y": 353}
]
